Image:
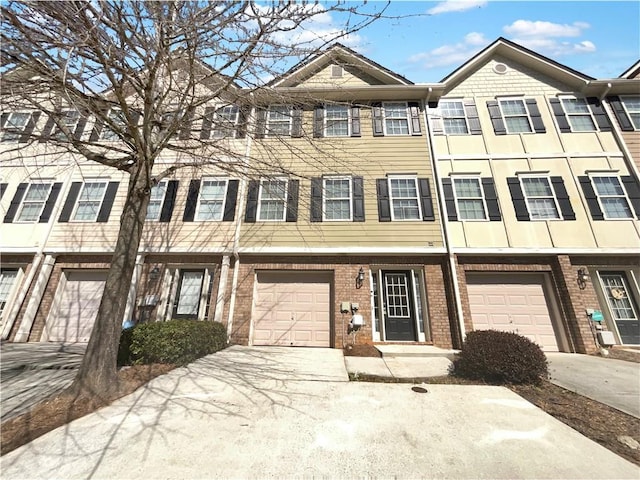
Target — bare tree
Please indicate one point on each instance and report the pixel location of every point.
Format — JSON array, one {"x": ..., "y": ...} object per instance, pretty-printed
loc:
[{"x": 142, "y": 71}]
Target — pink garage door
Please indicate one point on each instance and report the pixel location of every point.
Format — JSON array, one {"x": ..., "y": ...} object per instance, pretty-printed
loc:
[
  {"x": 292, "y": 309},
  {"x": 512, "y": 303},
  {"x": 75, "y": 307}
]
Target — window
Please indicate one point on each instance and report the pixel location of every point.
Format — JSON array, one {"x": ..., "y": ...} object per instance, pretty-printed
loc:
[
  {"x": 90, "y": 201},
  {"x": 279, "y": 120},
  {"x": 515, "y": 115},
  {"x": 15, "y": 125},
  {"x": 632, "y": 107},
  {"x": 272, "y": 199},
  {"x": 611, "y": 196},
  {"x": 211, "y": 200},
  {"x": 7, "y": 280},
  {"x": 336, "y": 71},
  {"x": 156, "y": 200},
  {"x": 453, "y": 117},
  {"x": 540, "y": 198},
  {"x": 225, "y": 120},
  {"x": 469, "y": 199},
  {"x": 405, "y": 204},
  {"x": 116, "y": 118},
  {"x": 578, "y": 114},
  {"x": 337, "y": 199},
  {"x": 396, "y": 120},
  {"x": 336, "y": 121},
  {"x": 33, "y": 202},
  {"x": 70, "y": 119},
  {"x": 187, "y": 301},
  {"x": 622, "y": 305}
]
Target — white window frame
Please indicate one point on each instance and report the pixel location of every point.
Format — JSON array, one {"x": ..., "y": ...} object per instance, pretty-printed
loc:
[
  {"x": 78, "y": 200},
  {"x": 197, "y": 217},
  {"x": 284, "y": 199},
  {"x": 324, "y": 199},
  {"x": 25, "y": 202},
  {"x": 13, "y": 134},
  {"x": 446, "y": 117},
  {"x": 636, "y": 126},
  {"x": 223, "y": 127},
  {"x": 268, "y": 120},
  {"x": 58, "y": 134},
  {"x": 11, "y": 290},
  {"x": 505, "y": 117},
  {"x": 161, "y": 183},
  {"x": 107, "y": 134},
  {"x": 626, "y": 277},
  {"x": 457, "y": 198},
  {"x": 571, "y": 115},
  {"x": 600, "y": 197},
  {"x": 390, "y": 179},
  {"x": 407, "y": 118},
  {"x": 521, "y": 178},
  {"x": 327, "y": 121}
]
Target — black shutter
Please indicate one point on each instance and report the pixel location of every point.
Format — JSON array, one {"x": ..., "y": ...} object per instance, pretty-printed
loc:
[
  {"x": 493, "y": 207},
  {"x": 600, "y": 115},
  {"x": 435, "y": 118},
  {"x": 563, "y": 198},
  {"x": 534, "y": 113},
  {"x": 355, "y": 122},
  {"x": 519, "y": 203},
  {"x": 261, "y": 124},
  {"x": 292, "y": 201},
  {"x": 51, "y": 202},
  {"x": 315, "y": 215},
  {"x": 378, "y": 121},
  {"x": 107, "y": 202},
  {"x": 28, "y": 130},
  {"x": 633, "y": 192},
  {"x": 471, "y": 112},
  {"x": 97, "y": 129},
  {"x": 296, "y": 122},
  {"x": 192, "y": 201},
  {"x": 230, "y": 202},
  {"x": 252, "y": 201},
  {"x": 15, "y": 203},
  {"x": 426, "y": 200},
  {"x": 3, "y": 188},
  {"x": 621, "y": 114},
  {"x": 496, "y": 117},
  {"x": 561, "y": 117},
  {"x": 80, "y": 126},
  {"x": 591, "y": 198},
  {"x": 384, "y": 209},
  {"x": 449, "y": 199},
  {"x": 48, "y": 128},
  {"x": 358, "y": 199},
  {"x": 70, "y": 202},
  {"x": 207, "y": 120},
  {"x": 414, "y": 111},
  {"x": 3, "y": 118},
  {"x": 243, "y": 118},
  {"x": 169, "y": 201},
  {"x": 318, "y": 122},
  {"x": 185, "y": 128}
]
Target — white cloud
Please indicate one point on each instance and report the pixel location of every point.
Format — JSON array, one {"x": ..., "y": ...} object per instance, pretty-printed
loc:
[
  {"x": 546, "y": 37},
  {"x": 456, "y": 6},
  {"x": 453, "y": 54}
]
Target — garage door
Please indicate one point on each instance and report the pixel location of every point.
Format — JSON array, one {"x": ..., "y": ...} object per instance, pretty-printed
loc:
[
  {"x": 512, "y": 303},
  {"x": 292, "y": 309},
  {"x": 75, "y": 307}
]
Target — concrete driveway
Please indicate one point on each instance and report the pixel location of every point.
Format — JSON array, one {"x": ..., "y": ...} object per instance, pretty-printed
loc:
[
  {"x": 606, "y": 380},
  {"x": 274, "y": 412}
]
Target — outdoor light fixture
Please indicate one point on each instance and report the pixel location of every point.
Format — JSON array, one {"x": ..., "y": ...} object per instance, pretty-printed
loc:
[
  {"x": 583, "y": 277},
  {"x": 360, "y": 278},
  {"x": 154, "y": 273}
]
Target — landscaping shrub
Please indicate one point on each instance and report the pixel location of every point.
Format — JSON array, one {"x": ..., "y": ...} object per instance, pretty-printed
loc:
[
  {"x": 178, "y": 342},
  {"x": 124, "y": 348},
  {"x": 501, "y": 357}
]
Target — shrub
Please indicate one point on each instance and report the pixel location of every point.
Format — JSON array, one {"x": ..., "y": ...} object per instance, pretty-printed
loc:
[
  {"x": 178, "y": 342},
  {"x": 501, "y": 357},
  {"x": 124, "y": 348}
]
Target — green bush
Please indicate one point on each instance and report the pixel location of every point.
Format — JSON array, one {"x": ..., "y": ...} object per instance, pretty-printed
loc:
[
  {"x": 501, "y": 357},
  {"x": 178, "y": 342}
]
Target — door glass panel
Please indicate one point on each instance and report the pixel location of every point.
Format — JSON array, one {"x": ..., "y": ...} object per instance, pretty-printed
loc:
[
  {"x": 7, "y": 277},
  {"x": 618, "y": 297},
  {"x": 376, "y": 299},
  {"x": 397, "y": 295},
  {"x": 189, "y": 295}
]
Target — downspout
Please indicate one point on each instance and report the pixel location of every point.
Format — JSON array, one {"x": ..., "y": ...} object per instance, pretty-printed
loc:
[{"x": 443, "y": 222}]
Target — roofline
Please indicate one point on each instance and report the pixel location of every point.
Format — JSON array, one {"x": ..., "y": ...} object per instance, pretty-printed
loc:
[{"x": 632, "y": 71}]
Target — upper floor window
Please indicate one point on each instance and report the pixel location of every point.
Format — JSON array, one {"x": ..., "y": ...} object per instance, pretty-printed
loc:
[
  {"x": 404, "y": 198},
  {"x": 469, "y": 199},
  {"x": 115, "y": 122},
  {"x": 337, "y": 198},
  {"x": 225, "y": 121},
  {"x": 515, "y": 115},
  {"x": 453, "y": 117},
  {"x": 632, "y": 106},
  {"x": 33, "y": 202},
  {"x": 156, "y": 199},
  {"x": 396, "y": 118},
  {"x": 279, "y": 120},
  {"x": 272, "y": 200},
  {"x": 540, "y": 198},
  {"x": 90, "y": 201},
  {"x": 69, "y": 119},
  {"x": 213, "y": 192},
  {"x": 612, "y": 197},
  {"x": 15, "y": 125},
  {"x": 578, "y": 114},
  {"x": 336, "y": 120}
]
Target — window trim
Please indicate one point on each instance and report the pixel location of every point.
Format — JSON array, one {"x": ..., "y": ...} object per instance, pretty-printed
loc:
[
  {"x": 106, "y": 130},
  {"x": 284, "y": 199},
  {"x": 164, "y": 196},
  {"x": 418, "y": 197},
  {"x": 407, "y": 118},
  {"x": 446, "y": 117},
  {"x": 176, "y": 300},
  {"x": 324, "y": 198},
  {"x": 636, "y": 128},
  {"x": 58, "y": 134},
  {"x": 569, "y": 115},
  {"x": 24, "y": 200},
  {"x": 624, "y": 195},
  {"x": 232, "y": 125},
  {"x": 526, "y": 114},
  {"x": 224, "y": 199},
  {"x": 325, "y": 121},
  {"x": 16, "y": 133},
  {"x": 482, "y": 198},
  {"x": 12, "y": 290},
  {"x": 268, "y": 121},
  {"x": 553, "y": 195},
  {"x": 77, "y": 202}
]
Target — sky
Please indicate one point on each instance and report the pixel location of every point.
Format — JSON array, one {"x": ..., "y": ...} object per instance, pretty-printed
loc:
[{"x": 597, "y": 38}]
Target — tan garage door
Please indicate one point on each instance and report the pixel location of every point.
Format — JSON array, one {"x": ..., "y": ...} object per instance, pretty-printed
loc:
[
  {"x": 75, "y": 307},
  {"x": 292, "y": 309},
  {"x": 512, "y": 303}
]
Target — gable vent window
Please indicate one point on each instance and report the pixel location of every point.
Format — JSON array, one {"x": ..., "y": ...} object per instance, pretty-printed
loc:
[
  {"x": 336, "y": 71},
  {"x": 500, "y": 68}
]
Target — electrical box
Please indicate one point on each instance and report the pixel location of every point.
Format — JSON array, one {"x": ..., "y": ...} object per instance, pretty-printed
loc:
[
  {"x": 605, "y": 338},
  {"x": 345, "y": 307},
  {"x": 355, "y": 307},
  {"x": 357, "y": 320}
]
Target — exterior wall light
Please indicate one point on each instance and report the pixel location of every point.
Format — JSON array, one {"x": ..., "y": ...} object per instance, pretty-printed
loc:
[
  {"x": 154, "y": 274},
  {"x": 360, "y": 278},
  {"x": 583, "y": 278}
]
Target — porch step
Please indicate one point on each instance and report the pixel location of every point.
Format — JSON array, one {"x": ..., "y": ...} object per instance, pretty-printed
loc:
[{"x": 424, "y": 351}]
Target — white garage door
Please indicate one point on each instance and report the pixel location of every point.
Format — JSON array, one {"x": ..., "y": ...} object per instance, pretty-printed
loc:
[
  {"x": 292, "y": 309},
  {"x": 512, "y": 303},
  {"x": 75, "y": 307}
]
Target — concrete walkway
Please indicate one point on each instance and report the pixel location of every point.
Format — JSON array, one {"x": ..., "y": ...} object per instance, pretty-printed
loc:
[
  {"x": 606, "y": 380},
  {"x": 275, "y": 412}
]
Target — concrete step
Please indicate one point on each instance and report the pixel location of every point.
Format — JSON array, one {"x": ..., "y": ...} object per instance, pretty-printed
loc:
[{"x": 422, "y": 351}]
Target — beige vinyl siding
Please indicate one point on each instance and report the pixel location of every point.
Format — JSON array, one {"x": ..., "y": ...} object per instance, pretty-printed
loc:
[
  {"x": 351, "y": 77},
  {"x": 632, "y": 141}
]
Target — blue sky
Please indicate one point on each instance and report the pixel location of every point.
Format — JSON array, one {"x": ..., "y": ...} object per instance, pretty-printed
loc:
[{"x": 598, "y": 38}]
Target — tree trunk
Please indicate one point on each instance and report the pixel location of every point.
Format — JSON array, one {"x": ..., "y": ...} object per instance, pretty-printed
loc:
[{"x": 98, "y": 372}]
